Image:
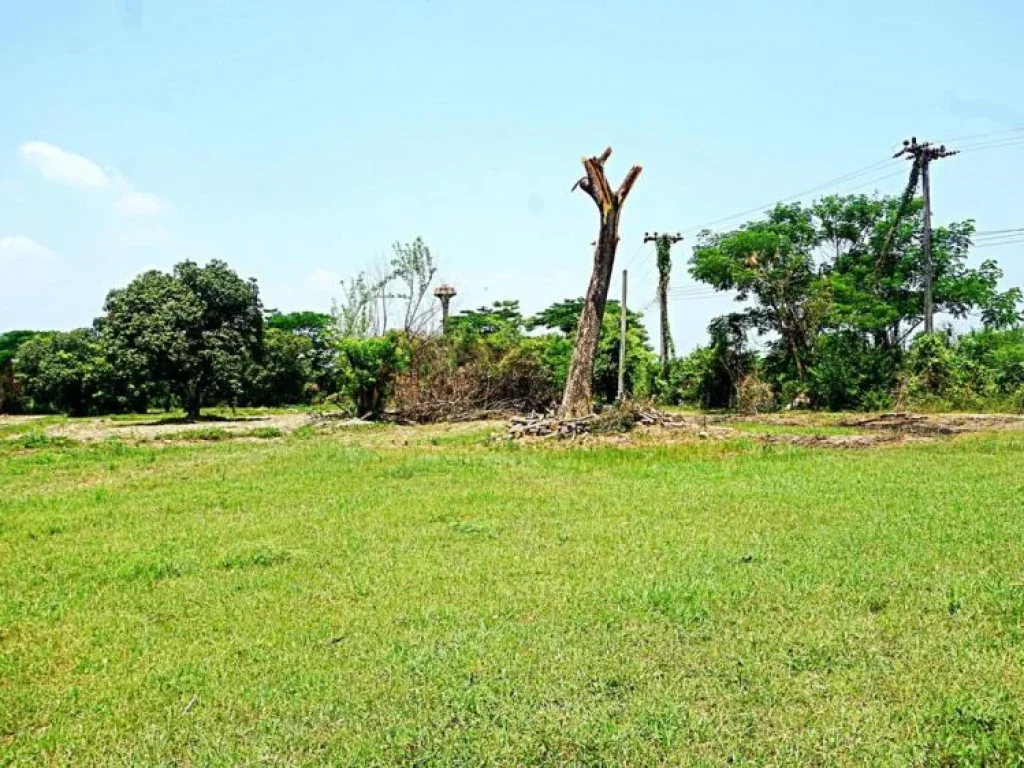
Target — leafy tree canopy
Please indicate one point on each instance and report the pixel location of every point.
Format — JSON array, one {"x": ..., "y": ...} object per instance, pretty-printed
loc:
[
  {"x": 846, "y": 263},
  {"x": 196, "y": 329}
]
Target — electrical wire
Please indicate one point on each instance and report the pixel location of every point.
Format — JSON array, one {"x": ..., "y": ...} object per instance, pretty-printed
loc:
[
  {"x": 993, "y": 243},
  {"x": 956, "y": 139},
  {"x": 1015, "y": 139},
  {"x": 997, "y": 144},
  {"x": 998, "y": 233}
]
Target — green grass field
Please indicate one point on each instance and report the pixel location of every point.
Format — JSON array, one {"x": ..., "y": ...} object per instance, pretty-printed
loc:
[{"x": 342, "y": 599}]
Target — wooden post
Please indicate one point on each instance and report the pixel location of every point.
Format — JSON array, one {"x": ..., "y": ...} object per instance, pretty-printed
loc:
[
  {"x": 577, "y": 401},
  {"x": 624, "y": 316}
]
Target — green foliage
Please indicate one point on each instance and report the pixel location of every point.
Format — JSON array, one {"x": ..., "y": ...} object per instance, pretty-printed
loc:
[
  {"x": 70, "y": 373},
  {"x": 850, "y": 373},
  {"x": 981, "y": 370},
  {"x": 563, "y": 316},
  {"x": 284, "y": 373},
  {"x": 11, "y": 341},
  {"x": 829, "y": 267},
  {"x": 319, "y": 328},
  {"x": 198, "y": 330},
  {"x": 710, "y": 376},
  {"x": 836, "y": 288},
  {"x": 316, "y": 325},
  {"x": 368, "y": 368},
  {"x": 11, "y": 396}
]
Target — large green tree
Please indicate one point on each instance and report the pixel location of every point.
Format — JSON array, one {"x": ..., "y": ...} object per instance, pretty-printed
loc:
[
  {"x": 196, "y": 329},
  {"x": 850, "y": 264}
]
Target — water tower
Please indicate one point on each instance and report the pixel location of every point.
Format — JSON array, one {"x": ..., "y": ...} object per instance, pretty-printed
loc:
[{"x": 444, "y": 293}]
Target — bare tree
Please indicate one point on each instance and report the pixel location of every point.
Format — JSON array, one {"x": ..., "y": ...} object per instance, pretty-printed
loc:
[
  {"x": 354, "y": 313},
  {"x": 412, "y": 266},
  {"x": 578, "y": 396}
]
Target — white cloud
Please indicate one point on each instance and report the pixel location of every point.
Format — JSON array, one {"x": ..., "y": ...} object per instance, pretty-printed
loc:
[
  {"x": 57, "y": 165},
  {"x": 138, "y": 204},
  {"x": 18, "y": 248},
  {"x": 323, "y": 278}
]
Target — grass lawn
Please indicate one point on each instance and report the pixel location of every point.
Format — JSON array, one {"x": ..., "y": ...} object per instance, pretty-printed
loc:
[{"x": 340, "y": 599}]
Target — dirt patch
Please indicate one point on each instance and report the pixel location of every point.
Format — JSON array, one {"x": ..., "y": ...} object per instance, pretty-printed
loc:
[
  {"x": 934, "y": 425},
  {"x": 839, "y": 441},
  {"x": 103, "y": 429},
  {"x": 8, "y": 420}
]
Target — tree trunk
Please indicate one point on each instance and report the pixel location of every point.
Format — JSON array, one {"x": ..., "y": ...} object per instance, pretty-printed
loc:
[
  {"x": 193, "y": 400},
  {"x": 577, "y": 400}
]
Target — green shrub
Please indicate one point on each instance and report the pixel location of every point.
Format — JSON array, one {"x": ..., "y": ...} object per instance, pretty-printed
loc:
[{"x": 368, "y": 367}]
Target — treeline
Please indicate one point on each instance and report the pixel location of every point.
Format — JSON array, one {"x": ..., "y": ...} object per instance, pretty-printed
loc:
[
  {"x": 200, "y": 336},
  {"x": 829, "y": 316}
]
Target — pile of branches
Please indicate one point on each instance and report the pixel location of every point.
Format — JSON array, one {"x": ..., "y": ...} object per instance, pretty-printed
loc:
[
  {"x": 448, "y": 382},
  {"x": 619, "y": 418}
]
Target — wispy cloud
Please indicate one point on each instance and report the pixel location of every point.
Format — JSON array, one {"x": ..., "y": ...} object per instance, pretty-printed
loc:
[
  {"x": 18, "y": 248},
  {"x": 58, "y": 165},
  {"x": 134, "y": 204}
]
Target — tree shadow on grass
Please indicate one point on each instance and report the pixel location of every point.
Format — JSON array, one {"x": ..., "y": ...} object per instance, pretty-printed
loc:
[{"x": 184, "y": 420}]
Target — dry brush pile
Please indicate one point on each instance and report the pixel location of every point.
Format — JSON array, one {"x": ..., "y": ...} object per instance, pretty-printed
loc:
[{"x": 450, "y": 382}]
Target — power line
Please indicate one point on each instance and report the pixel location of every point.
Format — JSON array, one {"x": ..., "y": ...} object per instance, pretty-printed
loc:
[
  {"x": 820, "y": 187},
  {"x": 998, "y": 232},
  {"x": 961, "y": 139},
  {"x": 824, "y": 185},
  {"x": 999, "y": 144},
  {"x": 993, "y": 243},
  {"x": 703, "y": 297}
]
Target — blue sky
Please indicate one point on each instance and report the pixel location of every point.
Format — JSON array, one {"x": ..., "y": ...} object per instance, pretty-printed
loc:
[{"x": 297, "y": 141}]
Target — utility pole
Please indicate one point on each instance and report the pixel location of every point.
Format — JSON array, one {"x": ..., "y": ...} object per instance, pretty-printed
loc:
[
  {"x": 622, "y": 340},
  {"x": 923, "y": 154},
  {"x": 664, "y": 243}
]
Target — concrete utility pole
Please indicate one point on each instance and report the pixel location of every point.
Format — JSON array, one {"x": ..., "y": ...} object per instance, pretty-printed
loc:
[
  {"x": 622, "y": 340},
  {"x": 922, "y": 155},
  {"x": 664, "y": 244},
  {"x": 445, "y": 293}
]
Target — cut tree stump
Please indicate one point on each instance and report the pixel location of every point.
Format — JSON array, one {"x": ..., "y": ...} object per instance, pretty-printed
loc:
[{"x": 577, "y": 400}]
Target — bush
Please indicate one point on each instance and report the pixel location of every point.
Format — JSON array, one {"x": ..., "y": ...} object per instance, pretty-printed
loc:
[
  {"x": 368, "y": 368},
  {"x": 754, "y": 395},
  {"x": 850, "y": 373}
]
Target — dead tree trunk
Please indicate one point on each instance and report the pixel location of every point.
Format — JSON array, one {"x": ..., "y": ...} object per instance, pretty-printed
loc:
[{"x": 579, "y": 386}]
